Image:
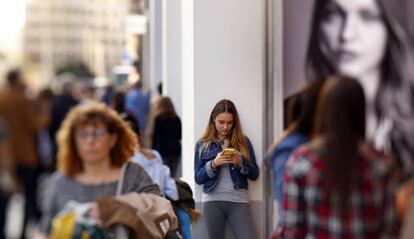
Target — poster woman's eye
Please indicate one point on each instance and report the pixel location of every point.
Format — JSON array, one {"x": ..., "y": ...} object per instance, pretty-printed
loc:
[
  {"x": 332, "y": 12},
  {"x": 370, "y": 16}
]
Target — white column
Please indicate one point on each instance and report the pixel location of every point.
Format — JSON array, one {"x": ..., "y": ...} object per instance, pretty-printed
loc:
[
  {"x": 156, "y": 43},
  {"x": 188, "y": 91},
  {"x": 173, "y": 53},
  {"x": 276, "y": 34}
]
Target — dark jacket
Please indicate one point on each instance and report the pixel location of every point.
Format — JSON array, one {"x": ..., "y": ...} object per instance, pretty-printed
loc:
[
  {"x": 166, "y": 138},
  {"x": 60, "y": 107},
  {"x": 239, "y": 174}
]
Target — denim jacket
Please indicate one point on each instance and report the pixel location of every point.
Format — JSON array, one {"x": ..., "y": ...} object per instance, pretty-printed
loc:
[
  {"x": 239, "y": 174},
  {"x": 278, "y": 160}
]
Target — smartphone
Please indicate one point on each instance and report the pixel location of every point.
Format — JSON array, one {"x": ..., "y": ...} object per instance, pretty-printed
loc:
[{"x": 229, "y": 152}]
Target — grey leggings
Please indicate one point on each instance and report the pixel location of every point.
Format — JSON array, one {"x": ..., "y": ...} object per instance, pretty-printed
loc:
[{"x": 238, "y": 216}]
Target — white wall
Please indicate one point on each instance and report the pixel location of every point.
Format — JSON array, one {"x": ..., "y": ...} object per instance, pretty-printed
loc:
[
  {"x": 173, "y": 40},
  {"x": 221, "y": 56},
  {"x": 228, "y": 63}
]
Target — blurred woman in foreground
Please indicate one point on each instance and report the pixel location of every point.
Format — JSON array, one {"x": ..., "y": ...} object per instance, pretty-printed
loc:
[{"x": 338, "y": 186}]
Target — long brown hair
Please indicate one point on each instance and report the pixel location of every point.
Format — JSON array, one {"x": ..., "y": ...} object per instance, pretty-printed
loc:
[
  {"x": 69, "y": 161},
  {"x": 340, "y": 127},
  {"x": 236, "y": 136},
  {"x": 301, "y": 111},
  {"x": 165, "y": 108}
]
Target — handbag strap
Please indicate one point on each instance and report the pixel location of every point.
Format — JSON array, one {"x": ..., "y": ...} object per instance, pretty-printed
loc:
[{"x": 121, "y": 179}]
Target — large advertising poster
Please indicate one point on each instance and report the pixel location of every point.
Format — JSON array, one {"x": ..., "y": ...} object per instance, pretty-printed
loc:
[{"x": 370, "y": 40}]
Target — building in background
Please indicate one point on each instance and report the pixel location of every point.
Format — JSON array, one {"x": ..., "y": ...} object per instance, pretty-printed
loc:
[
  {"x": 12, "y": 18},
  {"x": 64, "y": 31}
]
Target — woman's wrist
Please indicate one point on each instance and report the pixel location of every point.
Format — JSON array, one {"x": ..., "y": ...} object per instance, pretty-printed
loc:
[{"x": 213, "y": 165}]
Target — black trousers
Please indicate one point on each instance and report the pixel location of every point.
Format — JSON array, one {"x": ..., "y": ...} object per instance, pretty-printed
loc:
[
  {"x": 172, "y": 162},
  {"x": 28, "y": 179},
  {"x": 4, "y": 199}
]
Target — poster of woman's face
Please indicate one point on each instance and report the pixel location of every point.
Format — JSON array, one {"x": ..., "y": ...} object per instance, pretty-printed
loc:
[
  {"x": 353, "y": 36},
  {"x": 368, "y": 40}
]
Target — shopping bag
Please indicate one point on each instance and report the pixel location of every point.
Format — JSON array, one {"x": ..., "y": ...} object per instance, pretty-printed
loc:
[{"x": 73, "y": 222}]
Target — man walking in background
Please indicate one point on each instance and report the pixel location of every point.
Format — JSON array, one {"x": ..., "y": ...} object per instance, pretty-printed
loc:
[{"x": 23, "y": 123}]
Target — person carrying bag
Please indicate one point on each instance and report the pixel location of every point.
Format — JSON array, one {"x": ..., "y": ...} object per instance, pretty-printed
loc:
[{"x": 93, "y": 145}]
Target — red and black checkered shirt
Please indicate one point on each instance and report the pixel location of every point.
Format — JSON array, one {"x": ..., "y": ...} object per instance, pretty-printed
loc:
[{"x": 308, "y": 211}]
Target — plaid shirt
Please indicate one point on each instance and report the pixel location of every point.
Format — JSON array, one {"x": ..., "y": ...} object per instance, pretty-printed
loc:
[{"x": 309, "y": 213}]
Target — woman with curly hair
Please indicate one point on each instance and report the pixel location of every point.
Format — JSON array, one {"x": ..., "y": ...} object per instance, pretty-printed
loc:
[{"x": 93, "y": 145}]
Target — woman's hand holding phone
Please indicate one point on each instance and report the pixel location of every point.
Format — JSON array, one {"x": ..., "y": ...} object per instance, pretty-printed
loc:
[
  {"x": 227, "y": 156},
  {"x": 236, "y": 158},
  {"x": 221, "y": 160}
]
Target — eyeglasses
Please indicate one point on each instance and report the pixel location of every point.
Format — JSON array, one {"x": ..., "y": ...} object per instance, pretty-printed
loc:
[{"x": 96, "y": 133}]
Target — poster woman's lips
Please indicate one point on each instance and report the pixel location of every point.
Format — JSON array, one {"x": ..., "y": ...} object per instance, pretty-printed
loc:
[{"x": 346, "y": 55}]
